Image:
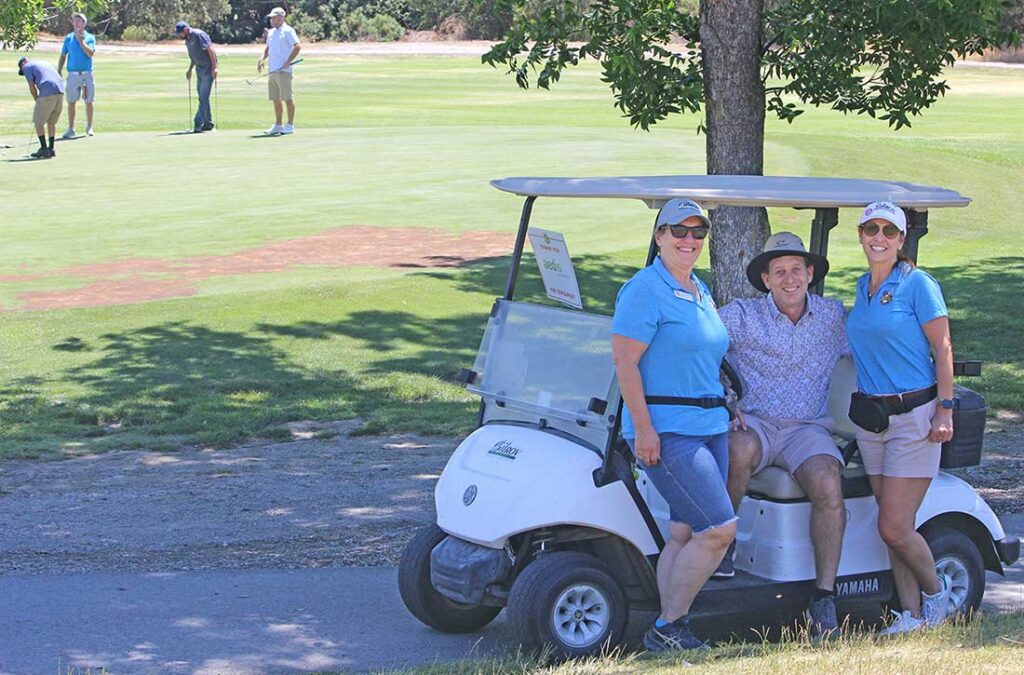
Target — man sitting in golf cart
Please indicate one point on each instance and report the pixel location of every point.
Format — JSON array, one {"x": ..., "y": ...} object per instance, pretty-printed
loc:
[{"x": 785, "y": 346}]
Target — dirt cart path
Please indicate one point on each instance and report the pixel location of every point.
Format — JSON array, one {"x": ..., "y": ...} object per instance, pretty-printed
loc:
[{"x": 308, "y": 503}]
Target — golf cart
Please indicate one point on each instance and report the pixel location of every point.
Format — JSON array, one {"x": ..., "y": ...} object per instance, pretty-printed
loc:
[{"x": 542, "y": 509}]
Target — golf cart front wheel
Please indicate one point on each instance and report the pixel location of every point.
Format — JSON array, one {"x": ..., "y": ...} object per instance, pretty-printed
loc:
[
  {"x": 957, "y": 559},
  {"x": 423, "y": 601},
  {"x": 569, "y": 603}
]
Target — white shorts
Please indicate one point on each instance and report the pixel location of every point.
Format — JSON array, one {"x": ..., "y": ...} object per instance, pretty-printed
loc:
[
  {"x": 903, "y": 450},
  {"x": 77, "y": 81}
]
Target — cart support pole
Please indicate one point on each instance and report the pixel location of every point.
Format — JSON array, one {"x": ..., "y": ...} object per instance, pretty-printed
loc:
[
  {"x": 917, "y": 227},
  {"x": 824, "y": 221},
  {"x": 517, "y": 255}
]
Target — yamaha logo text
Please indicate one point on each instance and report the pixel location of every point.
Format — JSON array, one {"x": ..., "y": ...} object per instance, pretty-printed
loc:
[
  {"x": 858, "y": 587},
  {"x": 504, "y": 449}
]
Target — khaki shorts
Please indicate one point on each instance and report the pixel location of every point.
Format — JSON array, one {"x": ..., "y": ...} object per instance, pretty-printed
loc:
[
  {"x": 903, "y": 450},
  {"x": 279, "y": 86},
  {"x": 47, "y": 110},
  {"x": 789, "y": 443},
  {"x": 77, "y": 81}
]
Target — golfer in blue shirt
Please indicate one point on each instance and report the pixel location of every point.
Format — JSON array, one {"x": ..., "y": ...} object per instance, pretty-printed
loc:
[
  {"x": 899, "y": 336},
  {"x": 78, "y": 49},
  {"x": 668, "y": 344}
]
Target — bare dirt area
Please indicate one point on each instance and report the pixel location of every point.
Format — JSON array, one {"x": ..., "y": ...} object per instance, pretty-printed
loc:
[
  {"x": 127, "y": 281},
  {"x": 312, "y": 502},
  {"x": 308, "y": 503}
]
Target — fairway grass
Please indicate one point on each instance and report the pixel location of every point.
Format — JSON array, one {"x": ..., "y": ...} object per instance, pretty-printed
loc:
[{"x": 397, "y": 143}]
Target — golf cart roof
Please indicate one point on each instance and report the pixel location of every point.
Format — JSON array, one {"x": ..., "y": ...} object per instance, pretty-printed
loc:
[{"x": 711, "y": 191}]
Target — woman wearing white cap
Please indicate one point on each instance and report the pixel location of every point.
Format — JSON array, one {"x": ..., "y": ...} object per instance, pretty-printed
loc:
[
  {"x": 899, "y": 336},
  {"x": 668, "y": 343}
]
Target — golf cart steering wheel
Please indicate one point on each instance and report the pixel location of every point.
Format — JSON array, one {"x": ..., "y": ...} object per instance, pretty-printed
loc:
[{"x": 732, "y": 378}]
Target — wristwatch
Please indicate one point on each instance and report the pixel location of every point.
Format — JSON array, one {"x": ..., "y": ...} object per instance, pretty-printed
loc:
[{"x": 947, "y": 403}]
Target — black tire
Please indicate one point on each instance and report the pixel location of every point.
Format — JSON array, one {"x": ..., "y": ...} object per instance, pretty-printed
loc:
[
  {"x": 425, "y": 603},
  {"x": 958, "y": 557},
  {"x": 549, "y": 583}
]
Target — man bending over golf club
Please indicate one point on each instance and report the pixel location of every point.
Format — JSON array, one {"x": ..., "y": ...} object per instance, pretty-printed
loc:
[
  {"x": 282, "y": 48},
  {"x": 203, "y": 57},
  {"x": 785, "y": 347},
  {"x": 47, "y": 88}
]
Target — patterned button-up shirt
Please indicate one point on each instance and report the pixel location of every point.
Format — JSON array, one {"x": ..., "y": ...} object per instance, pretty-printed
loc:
[{"x": 785, "y": 367}]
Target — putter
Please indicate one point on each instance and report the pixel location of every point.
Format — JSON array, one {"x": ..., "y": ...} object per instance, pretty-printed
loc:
[
  {"x": 216, "y": 98},
  {"x": 269, "y": 72},
  {"x": 188, "y": 86}
]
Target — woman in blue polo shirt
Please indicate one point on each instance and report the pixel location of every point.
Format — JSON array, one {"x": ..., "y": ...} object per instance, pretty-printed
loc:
[
  {"x": 899, "y": 336},
  {"x": 668, "y": 343}
]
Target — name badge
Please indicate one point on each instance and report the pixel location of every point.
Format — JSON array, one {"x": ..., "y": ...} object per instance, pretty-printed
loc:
[{"x": 683, "y": 295}]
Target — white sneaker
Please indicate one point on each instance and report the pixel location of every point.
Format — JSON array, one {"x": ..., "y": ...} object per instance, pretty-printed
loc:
[
  {"x": 903, "y": 623},
  {"x": 288, "y": 129},
  {"x": 88, "y": 132},
  {"x": 69, "y": 134},
  {"x": 935, "y": 608},
  {"x": 275, "y": 130}
]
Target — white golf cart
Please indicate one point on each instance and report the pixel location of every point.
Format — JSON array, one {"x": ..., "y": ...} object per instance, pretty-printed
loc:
[{"x": 542, "y": 509}]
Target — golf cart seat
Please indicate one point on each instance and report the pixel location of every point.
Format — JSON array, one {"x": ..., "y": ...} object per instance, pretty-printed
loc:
[{"x": 776, "y": 484}]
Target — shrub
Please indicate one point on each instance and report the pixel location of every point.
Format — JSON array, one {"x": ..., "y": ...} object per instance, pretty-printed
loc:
[
  {"x": 359, "y": 25},
  {"x": 139, "y": 34}
]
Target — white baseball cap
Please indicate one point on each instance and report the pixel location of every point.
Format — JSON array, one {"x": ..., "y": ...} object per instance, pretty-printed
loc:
[
  {"x": 277, "y": 11},
  {"x": 885, "y": 211}
]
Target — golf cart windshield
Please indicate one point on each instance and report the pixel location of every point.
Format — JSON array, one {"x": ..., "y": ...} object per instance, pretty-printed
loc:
[{"x": 546, "y": 362}]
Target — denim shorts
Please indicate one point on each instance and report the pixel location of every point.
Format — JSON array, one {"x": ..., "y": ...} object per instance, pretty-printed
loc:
[{"x": 691, "y": 476}]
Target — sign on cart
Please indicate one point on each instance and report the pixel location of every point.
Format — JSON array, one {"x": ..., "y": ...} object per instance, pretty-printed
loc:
[{"x": 555, "y": 267}]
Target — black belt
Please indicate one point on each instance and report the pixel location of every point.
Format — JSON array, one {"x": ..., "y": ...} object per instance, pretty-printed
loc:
[
  {"x": 706, "y": 402},
  {"x": 897, "y": 404}
]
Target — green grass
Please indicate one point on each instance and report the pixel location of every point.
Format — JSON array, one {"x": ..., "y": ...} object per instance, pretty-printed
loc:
[
  {"x": 992, "y": 644},
  {"x": 400, "y": 142}
]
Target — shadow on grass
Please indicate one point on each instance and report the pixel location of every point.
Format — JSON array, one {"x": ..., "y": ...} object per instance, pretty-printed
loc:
[{"x": 182, "y": 383}]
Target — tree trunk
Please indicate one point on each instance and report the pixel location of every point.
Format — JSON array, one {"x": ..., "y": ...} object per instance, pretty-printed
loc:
[{"x": 731, "y": 40}]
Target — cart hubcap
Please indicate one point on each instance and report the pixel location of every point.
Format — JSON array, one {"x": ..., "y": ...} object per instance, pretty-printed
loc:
[
  {"x": 580, "y": 615},
  {"x": 959, "y": 582}
]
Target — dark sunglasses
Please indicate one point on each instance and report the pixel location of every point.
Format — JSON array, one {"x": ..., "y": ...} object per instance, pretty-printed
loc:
[
  {"x": 871, "y": 229},
  {"x": 680, "y": 231}
]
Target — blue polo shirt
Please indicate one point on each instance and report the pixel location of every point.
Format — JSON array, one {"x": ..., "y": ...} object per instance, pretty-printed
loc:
[
  {"x": 77, "y": 59},
  {"x": 686, "y": 342},
  {"x": 890, "y": 350},
  {"x": 40, "y": 73}
]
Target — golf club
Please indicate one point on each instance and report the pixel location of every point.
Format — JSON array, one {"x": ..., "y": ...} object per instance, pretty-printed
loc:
[
  {"x": 188, "y": 85},
  {"x": 216, "y": 98},
  {"x": 270, "y": 72}
]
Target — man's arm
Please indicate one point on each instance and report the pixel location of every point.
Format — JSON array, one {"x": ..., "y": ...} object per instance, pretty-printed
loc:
[
  {"x": 291, "y": 57},
  {"x": 60, "y": 62},
  {"x": 89, "y": 51},
  {"x": 32, "y": 90},
  {"x": 213, "y": 59}
]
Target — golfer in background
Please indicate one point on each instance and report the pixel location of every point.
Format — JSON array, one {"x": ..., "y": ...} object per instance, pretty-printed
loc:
[
  {"x": 203, "y": 58},
  {"x": 282, "y": 48},
  {"x": 47, "y": 88},
  {"x": 78, "y": 49}
]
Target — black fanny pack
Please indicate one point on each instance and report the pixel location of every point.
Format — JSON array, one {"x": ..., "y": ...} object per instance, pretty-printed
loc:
[
  {"x": 868, "y": 413},
  {"x": 871, "y": 413}
]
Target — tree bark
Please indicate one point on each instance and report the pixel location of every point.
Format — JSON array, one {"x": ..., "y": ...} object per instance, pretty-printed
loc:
[{"x": 731, "y": 42}]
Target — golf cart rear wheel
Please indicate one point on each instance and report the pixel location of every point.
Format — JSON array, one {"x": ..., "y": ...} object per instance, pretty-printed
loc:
[
  {"x": 958, "y": 559},
  {"x": 567, "y": 602},
  {"x": 425, "y": 603}
]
